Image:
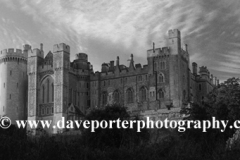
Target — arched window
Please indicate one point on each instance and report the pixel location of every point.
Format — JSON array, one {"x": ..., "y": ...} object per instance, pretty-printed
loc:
[
  {"x": 47, "y": 90},
  {"x": 104, "y": 98},
  {"x": 143, "y": 94},
  {"x": 129, "y": 95},
  {"x": 161, "y": 94},
  {"x": 161, "y": 78},
  {"x": 116, "y": 96}
]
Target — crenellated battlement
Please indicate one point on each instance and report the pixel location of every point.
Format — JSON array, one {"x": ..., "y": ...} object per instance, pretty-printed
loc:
[
  {"x": 82, "y": 56},
  {"x": 61, "y": 47},
  {"x": 158, "y": 52},
  {"x": 35, "y": 53},
  {"x": 11, "y": 52},
  {"x": 175, "y": 33},
  {"x": 203, "y": 69}
]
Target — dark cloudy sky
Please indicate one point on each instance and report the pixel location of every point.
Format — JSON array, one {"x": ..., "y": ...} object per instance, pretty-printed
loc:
[{"x": 104, "y": 29}]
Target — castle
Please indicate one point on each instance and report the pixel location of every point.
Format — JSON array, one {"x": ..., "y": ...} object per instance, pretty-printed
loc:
[{"x": 35, "y": 87}]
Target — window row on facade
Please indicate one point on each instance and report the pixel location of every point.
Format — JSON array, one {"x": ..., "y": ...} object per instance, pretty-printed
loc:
[
  {"x": 160, "y": 65},
  {"x": 116, "y": 97}
]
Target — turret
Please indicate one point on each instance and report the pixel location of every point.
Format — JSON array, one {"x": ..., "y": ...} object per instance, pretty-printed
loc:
[
  {"x": 105, "y": 67},
  {"x": 204, "y": 73},
  {"x": 81, "y": 61},
  {"x": 194, "y": 68},
  {"x": 174, "y": 41}
]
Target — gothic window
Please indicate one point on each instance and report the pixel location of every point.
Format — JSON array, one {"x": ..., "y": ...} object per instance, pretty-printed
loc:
[
  {"x": 163, "y": 65},
  {"x": 155, "y": 66},
  {"x": 143, "y": 94},
  {"x": 104, "y": 98},
  {"x": 161, "y": 94},
  {"x": 46, "y": 90},
  {"x": 129, "y": 95},
  {"x": 161, "y": 78},
  {"x": 116, "y": 96}
]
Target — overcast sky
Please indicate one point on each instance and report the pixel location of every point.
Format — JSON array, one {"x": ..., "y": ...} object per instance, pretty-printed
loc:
[{"x": 105, "y": 29}]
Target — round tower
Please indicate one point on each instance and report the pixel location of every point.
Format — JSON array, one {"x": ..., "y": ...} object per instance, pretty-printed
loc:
[
  {"x": 81, "y": 61},
  {"x": 204, "y": 73},
  {"x": 13, "y": 84}
]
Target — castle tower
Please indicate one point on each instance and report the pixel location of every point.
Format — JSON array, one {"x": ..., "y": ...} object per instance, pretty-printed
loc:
[
  {"x": 13, "y": 84},
  {"x": 174, "y": 39},
  {"x": 61, "y": 61},
  {"x": 35, "y": 58},
  {"x": 83, "y": 67},
  {"x": 194, "y": 68},
  {"x": 204, "y": 73}
]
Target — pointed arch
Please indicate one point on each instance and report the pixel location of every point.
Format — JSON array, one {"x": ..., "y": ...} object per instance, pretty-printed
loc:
[
  {"x": 116, "y": 96},
  {"x": 47, "y": 89},
  {"x": 130, "y": 95},
  {"x": 160, "y": 93},
  {"x": 161, "y": 78},
  {"x": 143, "y": 94}
]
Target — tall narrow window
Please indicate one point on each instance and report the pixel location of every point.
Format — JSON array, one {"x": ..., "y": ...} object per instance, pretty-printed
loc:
[
  {"x": 161, "y": 78},
  {"x": 104, "y": 98},
  {"x": 155, "y": 66},
  {"x": 10, "y": 72},
  {"x": 116, "y": 96},
  {"x": 161, "y": 93},
  {"x": 129, "y": 96},
  {"x": 43, "y": 91},
  {"x": 48, "y": 90},
  {"x": 143, "y": 94},
  {"x": 52, "y": 92},
  {"x": 164, "y": 65}
]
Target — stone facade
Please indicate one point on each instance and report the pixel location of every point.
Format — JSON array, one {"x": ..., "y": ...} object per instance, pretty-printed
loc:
[{"x": 158, "y": 89}]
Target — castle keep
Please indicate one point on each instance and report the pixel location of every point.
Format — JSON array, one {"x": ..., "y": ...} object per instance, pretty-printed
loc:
[{"x": 35, "y": 87}]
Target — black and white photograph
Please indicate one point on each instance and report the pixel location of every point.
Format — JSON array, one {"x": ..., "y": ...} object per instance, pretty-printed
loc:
[{"x": 119, "y": 79}]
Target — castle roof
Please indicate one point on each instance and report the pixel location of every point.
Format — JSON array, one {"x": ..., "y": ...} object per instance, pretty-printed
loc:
[{"x": 49, "y": 56}]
